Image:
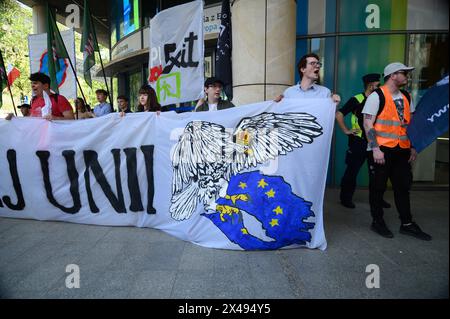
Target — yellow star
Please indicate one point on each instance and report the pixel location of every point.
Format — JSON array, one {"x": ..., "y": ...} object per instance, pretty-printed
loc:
[
  {"x": 274, "y": 222},
  {"x": 270, "y": 193},
  {"x": 244, "y": 231},
  {"x": 278, "y": 210},
  {"x": 262, "y": 183},
  {"x": 242, "y": 185}
]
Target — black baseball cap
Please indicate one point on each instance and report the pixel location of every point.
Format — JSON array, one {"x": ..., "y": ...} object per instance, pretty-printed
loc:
[
  {"x": 40, "y": 77},
  {"x": 212, "y": 80},
  {"x": 371, "y": 77}
]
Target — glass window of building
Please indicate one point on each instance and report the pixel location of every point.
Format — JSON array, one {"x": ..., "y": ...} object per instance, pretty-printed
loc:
[
  {"x": 115, "y": 89},
  {"x": 149, "y": 10},
  {"x": 171, "y": 3},
  {"x": 369, "y": 15},
  {"x": 135, "y": 84},
  {"x": 146, "y": 73},
  {"x": 427, "y": 15},
  {"x": 322, "y": 15},
  {"x": 428, "y": 53},
  {"x": 124, "y": 18},
  {"x": 208, "y": 68}
]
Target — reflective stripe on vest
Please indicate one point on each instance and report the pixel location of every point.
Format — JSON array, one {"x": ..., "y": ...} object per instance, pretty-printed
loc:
[
  {"x": 390, "y": 130},
  {"x": 391, "y": 123},
  {"x": 359, "y": 97},
  {"x": 354, "y": 120},
  {"x": 393, "y": 136},
  {"x": 355, "y": 125}
]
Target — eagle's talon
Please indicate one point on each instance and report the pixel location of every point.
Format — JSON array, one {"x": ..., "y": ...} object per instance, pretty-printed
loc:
[
  {"x": 234, "y": 198},
  {"x": 225, "y": 209}
]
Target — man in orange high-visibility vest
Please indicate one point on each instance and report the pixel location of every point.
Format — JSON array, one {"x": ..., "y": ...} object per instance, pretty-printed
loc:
[{"x": 387, "y": 113}]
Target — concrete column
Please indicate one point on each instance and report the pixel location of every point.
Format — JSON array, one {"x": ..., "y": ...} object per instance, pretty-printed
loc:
[
  {"x": 263, "y": 48},
  {"x": 39, "y": 19}
]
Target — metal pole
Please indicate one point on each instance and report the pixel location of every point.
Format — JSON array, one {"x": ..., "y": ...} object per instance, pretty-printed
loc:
[
  {"x": 101, "y": 63},
  {"x": 106, "y": 82},
  {"x": 7, "y": 83},
  {"x": 12, "y": 99},
  {"x": 71, "y": 65}
]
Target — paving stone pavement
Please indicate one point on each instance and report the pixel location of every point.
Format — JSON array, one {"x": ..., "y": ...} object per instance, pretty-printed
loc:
[{"x": 129, "y": 262}]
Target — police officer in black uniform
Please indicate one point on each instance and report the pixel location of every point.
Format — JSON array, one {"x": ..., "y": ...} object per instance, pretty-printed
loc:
[{"x": 357, "y": 142}]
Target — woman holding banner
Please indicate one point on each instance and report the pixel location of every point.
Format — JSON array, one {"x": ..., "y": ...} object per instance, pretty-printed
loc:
[
  {"x": 82, "y": 110},
  {"x": 147, "y": 100}
]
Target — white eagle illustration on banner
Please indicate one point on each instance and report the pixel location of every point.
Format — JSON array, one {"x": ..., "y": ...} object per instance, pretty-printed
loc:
[{"x": 206, "y": 156}]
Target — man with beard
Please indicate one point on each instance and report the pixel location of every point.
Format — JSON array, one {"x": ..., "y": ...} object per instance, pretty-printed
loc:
[{"x": 387, "y": 113}]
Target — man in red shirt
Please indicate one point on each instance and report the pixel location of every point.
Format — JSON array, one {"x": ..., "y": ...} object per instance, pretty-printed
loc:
[{"x": 60, "y": 107}]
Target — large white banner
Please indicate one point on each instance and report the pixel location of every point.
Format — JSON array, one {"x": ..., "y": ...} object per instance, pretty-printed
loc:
[
  {"x": 176, "y": 53},
  {"x": 37, "y": 45},
  {"x": 250, "y": 177}
]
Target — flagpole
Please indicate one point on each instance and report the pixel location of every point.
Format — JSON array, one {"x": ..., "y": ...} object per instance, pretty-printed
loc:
[
  {"x": 70, "y": 61},
  {"x": 223, "y": 50},
  {"x": 12, "y": 99},
  {"x": 101, "y": 62},
  {"x": 7, "y": 83},
  {"x": 106, "y": 82}
]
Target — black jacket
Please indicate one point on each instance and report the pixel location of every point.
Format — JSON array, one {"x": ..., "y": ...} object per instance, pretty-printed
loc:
[{"x": 223, "y": 104}]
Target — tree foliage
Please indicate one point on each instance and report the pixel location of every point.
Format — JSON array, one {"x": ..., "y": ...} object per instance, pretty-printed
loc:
[
  {"x": 97, "y": 83},
  {"x": 16, "y": 24}
]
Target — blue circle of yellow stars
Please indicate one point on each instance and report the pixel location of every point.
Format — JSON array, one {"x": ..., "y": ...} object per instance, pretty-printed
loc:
[{"x": 271, "y": 201}]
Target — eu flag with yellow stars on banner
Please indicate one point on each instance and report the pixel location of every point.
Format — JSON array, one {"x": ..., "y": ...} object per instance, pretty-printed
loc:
[{"x": 270, "y": 200}]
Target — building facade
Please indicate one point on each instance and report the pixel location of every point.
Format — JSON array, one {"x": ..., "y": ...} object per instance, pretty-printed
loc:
[
  {"x": 359, "y": 37},
  {"x": 352, "y": 38},
  {"x": 129, "y": 42}
]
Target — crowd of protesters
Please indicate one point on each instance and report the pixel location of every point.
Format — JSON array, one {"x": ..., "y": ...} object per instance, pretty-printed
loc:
[{"x": 380, "y": 116}]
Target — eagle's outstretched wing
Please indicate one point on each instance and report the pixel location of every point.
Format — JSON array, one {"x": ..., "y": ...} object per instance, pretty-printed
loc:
[
  {"x": 201, "y": 147},
  {"x": 185, "y": 202},
  {"x": 269, "y": 135},
  {"x": 205, "y": 153}
]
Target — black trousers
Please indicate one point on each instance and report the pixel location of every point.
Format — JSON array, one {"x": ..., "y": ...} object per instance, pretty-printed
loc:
[
  {"x": 354, "y": 159},
  {"x": 398, "y": 170}
]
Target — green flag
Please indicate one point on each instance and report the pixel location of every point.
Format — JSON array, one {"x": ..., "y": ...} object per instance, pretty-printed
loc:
[
  {"x": 56, "y": 46},
  {"x": 88, "y": 44},
  {"x": 3, "y": 78}
]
